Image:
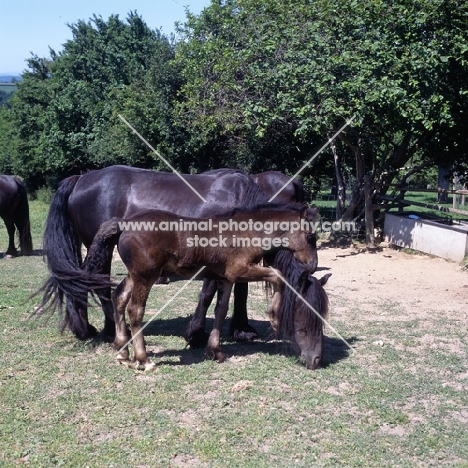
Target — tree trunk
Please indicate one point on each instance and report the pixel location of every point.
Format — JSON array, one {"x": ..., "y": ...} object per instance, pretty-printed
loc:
[
  {"x": 369, "y": 212},
  {"x": 443, "y": 183},
  {"x": 341, "y": 189},
  {"x": 356, "y": 193}
]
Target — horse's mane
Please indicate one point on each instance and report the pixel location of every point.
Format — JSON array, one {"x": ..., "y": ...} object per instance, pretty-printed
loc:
[
  {"x": 309, "y": 287},
  {"x": 298, "y": 207}
]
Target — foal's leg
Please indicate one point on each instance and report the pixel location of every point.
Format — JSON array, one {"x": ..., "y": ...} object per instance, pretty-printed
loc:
[
  {"x": 120, "y": 298},
  {"x": 278, "y": 286},
  {"x": 195, "y": 333},
  {"x": 213, "y": 349},
  {"x": 136, "y": 311},
  {"x": 257, "y": 272}
]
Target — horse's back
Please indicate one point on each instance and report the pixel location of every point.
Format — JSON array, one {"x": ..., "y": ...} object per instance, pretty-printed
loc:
[{"x": 121, "y": 191}]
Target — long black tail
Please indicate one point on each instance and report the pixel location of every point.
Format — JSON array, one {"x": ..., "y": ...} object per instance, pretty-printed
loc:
[
  {"x": 67, "y": 288},
  {"x": 21, "y": 220}
]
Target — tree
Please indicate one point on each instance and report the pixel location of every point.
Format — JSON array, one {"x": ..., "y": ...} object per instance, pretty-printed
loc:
[
  {"x": 292, "y": 73},
  {"x": 66, "y": 107}
]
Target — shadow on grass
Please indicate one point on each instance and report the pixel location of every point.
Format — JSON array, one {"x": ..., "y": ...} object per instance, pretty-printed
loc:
[
  {"x": 335, "y": 349},
  {"x": 34, "y": 253}
]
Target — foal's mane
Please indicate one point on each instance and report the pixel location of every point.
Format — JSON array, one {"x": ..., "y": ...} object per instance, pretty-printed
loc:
[
  {"x": 293, "y": 206},
  {"x": 309, "y": 287}
]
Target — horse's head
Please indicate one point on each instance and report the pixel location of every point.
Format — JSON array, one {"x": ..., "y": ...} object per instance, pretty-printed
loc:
[
  {"x": 307, "y": 337},
  {"x": 303, "y": 242}
]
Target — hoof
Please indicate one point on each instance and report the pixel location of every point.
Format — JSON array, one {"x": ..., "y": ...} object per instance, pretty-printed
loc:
[
  {"x": 243, "y": 332},
  {"x": 149, "y": 366},
  {"x": 108, "y": 337},
  {"x": 125, "y": 362},
  {"x": 122, "y": 355},
  {"x": 221, "y": 357},
  {"x": 197, "y": 338},
  {"x": 240, "y": 335},
  {"x": 210, "y": 353},
  {"x": 215, "y": 355},
  {"x": 162, "y": 280},
  {"x": 90, "y": 332},
  {"x": 9, "y": 256}
]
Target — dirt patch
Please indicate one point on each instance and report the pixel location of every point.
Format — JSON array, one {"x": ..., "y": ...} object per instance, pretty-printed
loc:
[{"x": 422, "y": 285}]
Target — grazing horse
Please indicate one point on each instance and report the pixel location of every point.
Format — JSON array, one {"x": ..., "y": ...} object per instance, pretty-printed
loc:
[
  {"x": 225, "y": 258},
  {"x": 284, "y": 190},
  {"x": 83, "y": 203},
  {"x": 296, "y": 318},
  {"x": 14, "y": 210}
]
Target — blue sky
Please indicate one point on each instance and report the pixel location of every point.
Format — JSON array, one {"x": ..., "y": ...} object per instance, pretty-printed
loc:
[{"x": 32, "y": 26}]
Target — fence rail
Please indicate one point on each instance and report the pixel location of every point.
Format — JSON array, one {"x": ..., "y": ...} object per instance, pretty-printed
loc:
[{"x": 430, "y": 206}]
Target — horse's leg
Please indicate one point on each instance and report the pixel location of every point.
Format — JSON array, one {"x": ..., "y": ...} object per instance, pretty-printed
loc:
[
  {"x": 195, "y": 333},
  {"x": 120, "y": 298},
  {"x": 240, "y": 329},
  {"x": 107, "y": 307},
  {"x": 109, "y": 320},
  {"x": 274, "y": 306},
  {"x": 213, "y": 349},
  {"x": 136, "y": 311},
  {"x": 257, "y": 272},
  {"x": 11, "y": 251}
]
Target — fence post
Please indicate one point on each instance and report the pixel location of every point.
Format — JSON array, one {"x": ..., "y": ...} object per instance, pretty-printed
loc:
[{"x": 369, "y": 212}]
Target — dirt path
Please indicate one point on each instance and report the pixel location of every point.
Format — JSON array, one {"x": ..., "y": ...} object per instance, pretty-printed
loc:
[{"x": 420, "y": 284}]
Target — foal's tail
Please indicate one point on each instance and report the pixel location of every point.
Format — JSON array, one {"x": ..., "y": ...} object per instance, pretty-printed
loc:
[
  {"x": 68, "y": 284},
  {"x": 100, "y": 251},
  {"x": 21, "y": 220}
]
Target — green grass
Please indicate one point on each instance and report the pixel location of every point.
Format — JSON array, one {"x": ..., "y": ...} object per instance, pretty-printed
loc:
[
  {"x": 431, "y": 198},
  {"x": 68, "y": 403}
]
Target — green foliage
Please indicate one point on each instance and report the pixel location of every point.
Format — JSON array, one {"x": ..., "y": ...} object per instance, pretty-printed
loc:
[
  {"x": 44, "y": 195},
  {"x": 266, "y": 79},
  {"x": 250, "y": 84},
  {"x": 65, "y": 110},
  {"x": 8, "y": 141}
]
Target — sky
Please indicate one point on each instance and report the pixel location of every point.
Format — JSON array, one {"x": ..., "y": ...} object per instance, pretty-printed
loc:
[{"x": 32, "y": 26}]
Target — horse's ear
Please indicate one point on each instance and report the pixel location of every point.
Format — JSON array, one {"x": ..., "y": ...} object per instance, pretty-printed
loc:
[{"x": 323, "y": 280}]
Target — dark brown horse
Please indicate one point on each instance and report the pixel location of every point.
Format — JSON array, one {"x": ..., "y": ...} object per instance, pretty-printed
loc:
[
  {"x": 226, "y": 258},
  {"x": 83, "y": 203},
  {"x": 284, "y": 190},
  {"x": 14, "y": 210}
]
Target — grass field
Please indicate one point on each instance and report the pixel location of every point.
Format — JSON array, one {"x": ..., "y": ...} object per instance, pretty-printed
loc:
[
  {"x": 328, "y": 206},
  {"x": 68, "y": 403}
]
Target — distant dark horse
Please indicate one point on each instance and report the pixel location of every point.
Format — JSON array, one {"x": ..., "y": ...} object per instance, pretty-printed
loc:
[
  {"x": 83, "y": 203},
  {"x": 14, "y": 210},
  {"x": 147, "y": 253}
]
